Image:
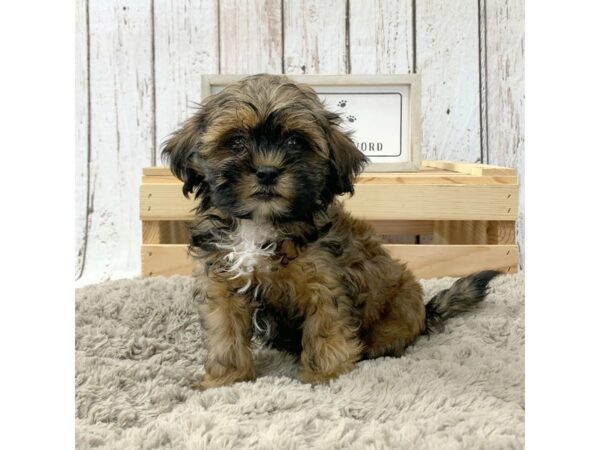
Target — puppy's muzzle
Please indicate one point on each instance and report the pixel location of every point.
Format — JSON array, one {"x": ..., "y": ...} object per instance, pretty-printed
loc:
[{"x": 267, "y": 175}]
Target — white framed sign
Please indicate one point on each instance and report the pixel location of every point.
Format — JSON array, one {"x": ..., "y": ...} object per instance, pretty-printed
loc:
[{"x": 382, "y": 111}]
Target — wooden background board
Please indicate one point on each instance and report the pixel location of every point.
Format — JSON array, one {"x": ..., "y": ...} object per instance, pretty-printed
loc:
[
  {"x": 139, "y": 64},
  {"x": 186, "y": 40},
  {"x": 121, "y": 133},
  {"x": 81, "y": 136}
]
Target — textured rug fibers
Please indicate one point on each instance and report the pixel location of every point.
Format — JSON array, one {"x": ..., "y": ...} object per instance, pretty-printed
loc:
[{"x": 139, "y": 346}]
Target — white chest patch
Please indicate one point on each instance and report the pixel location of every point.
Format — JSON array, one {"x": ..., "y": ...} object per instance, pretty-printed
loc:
[{"x": 246, "y": 250}]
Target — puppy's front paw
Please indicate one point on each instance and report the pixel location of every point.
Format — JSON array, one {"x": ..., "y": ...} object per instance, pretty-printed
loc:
[{"x": 208, "y": 381}]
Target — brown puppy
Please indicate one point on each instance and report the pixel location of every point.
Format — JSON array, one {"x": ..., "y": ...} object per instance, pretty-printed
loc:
[{"x": 279, "y": 258}]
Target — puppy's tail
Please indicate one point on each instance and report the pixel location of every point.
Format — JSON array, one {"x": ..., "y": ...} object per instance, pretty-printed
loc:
[{"x": 460, "y": 297}]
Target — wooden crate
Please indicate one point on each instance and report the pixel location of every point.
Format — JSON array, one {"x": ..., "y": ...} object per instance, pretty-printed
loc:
[{"x": 452, "y": 218}]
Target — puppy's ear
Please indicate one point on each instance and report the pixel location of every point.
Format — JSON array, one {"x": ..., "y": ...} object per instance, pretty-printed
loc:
[
  {"x": 346, "y": 161},
  {"x": 182, "y": 152}
]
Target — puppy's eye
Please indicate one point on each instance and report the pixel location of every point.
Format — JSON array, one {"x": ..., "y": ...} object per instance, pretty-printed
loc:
[
  {"x": 294, "y": 142},
  {"x": 236, "y": 143}
]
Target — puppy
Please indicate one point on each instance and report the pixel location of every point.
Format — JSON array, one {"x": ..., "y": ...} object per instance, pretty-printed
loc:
[{"x": 279, "y": 259}]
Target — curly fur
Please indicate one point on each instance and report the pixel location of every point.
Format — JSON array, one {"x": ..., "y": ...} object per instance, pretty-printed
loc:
[{"x": 279, "y": 259}]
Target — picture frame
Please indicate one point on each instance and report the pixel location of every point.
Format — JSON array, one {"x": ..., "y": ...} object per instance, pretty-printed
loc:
[{"x": 382, "y": 111}]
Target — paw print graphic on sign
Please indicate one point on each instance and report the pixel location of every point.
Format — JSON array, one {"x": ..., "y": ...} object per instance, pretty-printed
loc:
[
  {"x": 351, "y": 119},
  {"x": 342, "y": 103}
]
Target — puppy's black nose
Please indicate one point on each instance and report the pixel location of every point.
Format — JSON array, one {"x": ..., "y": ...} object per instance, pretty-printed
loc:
[{"x": 267, "y": 174}]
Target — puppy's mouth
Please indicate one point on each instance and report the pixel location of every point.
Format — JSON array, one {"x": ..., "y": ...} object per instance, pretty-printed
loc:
[{"x": 266, "y": 195}]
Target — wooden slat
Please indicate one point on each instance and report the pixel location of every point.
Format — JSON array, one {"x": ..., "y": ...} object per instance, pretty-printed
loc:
[
  {"x": 425, "y": 178},
  {"x": 381, "y": 36},
  {"x": 505, "y": 81},
  {"x": 157, "y": 171},
  {"x": 405, "y": 178},
  {"x": 433, "y": 202},
  {"x": 155, "y": 175},
  {"x": 315, "y": 36},
  {"x": 81, "y": 134},
  {"x": 170, "y": 259},
  {"x": 425, "y": 170},
  {"x": 373, "y": 202},
  {"x": 471, "y": 169},
  {"x": 448, "y": 61},
  {"x": 186, "y": 44},
  {"x": 160, "y": 179},
  {"x": 431, "y": 261},
  {"x": 426, "y": 261},
  {"x": 428, "y": 169},
  {"x": 250, "y": 36},
  {"x": 122, "y": 133},
  {"x": 164, "y": 202}
]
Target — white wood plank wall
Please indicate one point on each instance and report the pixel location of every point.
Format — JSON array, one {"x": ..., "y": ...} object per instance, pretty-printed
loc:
[{"x": 140, "y": 61}]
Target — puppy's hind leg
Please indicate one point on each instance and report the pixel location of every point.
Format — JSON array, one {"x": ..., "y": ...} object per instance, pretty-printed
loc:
[{"x": 396, "y": 320}]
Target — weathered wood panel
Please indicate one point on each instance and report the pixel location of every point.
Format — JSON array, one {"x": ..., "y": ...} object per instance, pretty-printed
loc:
[
  {"x": 448, "y": 61},
  {"x": 121, "y": 92},
  {"x": 81, "y": 133},
  {"x": 186, "y": 46},
  {"x": 505, "y": 90},
  {"x": 381, "y": 36},
  {"x": 250, "y": 35},
  {"x": 315, "y": 36}
]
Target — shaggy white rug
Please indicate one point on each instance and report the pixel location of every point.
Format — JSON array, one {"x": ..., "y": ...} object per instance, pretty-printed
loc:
[{"x": 139, "y": 345}]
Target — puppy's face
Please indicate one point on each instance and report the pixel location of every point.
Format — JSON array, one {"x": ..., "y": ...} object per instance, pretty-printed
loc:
[{"x": 264, "y": 149}]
